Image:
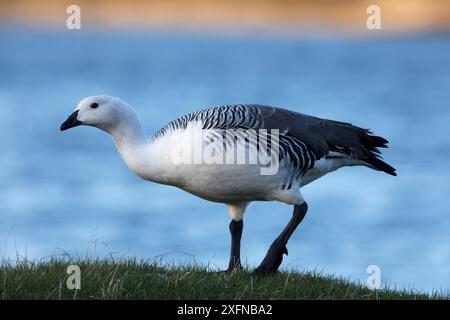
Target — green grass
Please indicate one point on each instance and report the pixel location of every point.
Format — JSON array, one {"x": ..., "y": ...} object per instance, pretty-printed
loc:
[{"x": 130, "y": 279}]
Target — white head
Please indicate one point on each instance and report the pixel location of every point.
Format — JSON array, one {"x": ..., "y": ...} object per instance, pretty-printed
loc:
[{"x": 107, "y": 113}]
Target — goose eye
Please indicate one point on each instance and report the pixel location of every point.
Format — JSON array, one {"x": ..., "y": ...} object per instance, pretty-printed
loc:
[{"x": 94, "y": 105}]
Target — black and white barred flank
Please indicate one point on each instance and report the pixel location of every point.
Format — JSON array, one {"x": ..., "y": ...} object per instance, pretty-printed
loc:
[
  {"x": 303, "y": 139},
  {"x": 223, "y": 117}
]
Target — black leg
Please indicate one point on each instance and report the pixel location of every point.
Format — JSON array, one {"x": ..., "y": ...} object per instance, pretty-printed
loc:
[
  {"x": 236, "y": 233},
  {"x": 274, "y": 256}
]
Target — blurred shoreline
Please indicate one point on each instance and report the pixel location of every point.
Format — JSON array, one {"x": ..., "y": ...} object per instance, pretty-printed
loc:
[{"x": 254, "y": 16}]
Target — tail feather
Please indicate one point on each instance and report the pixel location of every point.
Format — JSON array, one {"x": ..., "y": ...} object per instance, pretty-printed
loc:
[
  {"x": 374, "y": 160},
  {"x": 361, "y": 144},
  {"x": 380, "y": 165}
]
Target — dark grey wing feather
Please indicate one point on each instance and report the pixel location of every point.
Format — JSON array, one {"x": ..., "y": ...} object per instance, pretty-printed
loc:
[{"x": 323, "y": 136}]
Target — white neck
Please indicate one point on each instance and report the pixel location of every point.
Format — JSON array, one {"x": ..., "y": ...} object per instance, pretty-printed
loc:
[
  {"x": 128, "y": 133},
  {"x": 135, "y": 147}
]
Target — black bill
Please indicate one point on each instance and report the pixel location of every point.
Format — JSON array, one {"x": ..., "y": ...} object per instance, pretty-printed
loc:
[{"x": 71, "y": 122}]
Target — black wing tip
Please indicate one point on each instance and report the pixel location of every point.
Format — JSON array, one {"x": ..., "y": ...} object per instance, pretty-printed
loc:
[
  {"x": 376, "y": 142},
  {"x": 380, "y": 165},
  {"x": 391, "y": 171}
]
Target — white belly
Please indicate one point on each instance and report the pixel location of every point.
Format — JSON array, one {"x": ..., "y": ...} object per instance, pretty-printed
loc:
[{"x": 230, "y": 183}]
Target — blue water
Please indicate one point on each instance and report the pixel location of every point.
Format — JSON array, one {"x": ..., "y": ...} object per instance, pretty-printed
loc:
[{"x": 71, "y": 193}]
